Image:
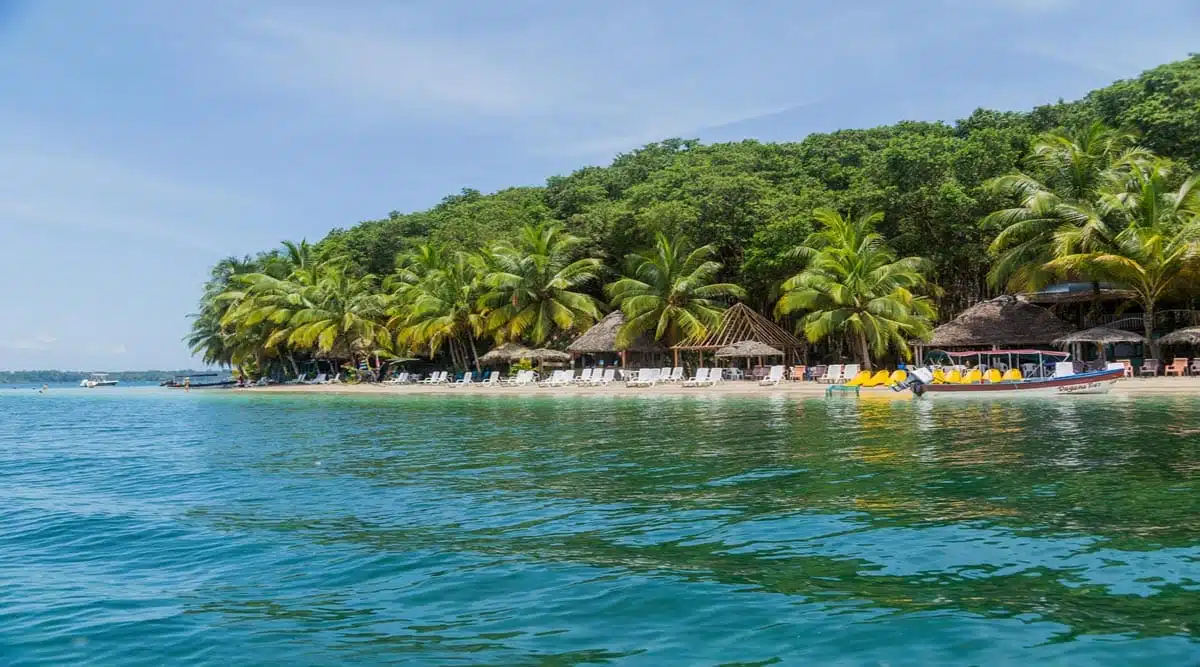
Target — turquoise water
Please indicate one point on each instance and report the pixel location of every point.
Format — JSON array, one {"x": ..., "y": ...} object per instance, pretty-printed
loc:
[{"x": 143, "y": 527}]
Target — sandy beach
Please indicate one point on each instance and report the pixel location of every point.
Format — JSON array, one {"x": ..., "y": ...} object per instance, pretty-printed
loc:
[{"x": 1127, "y": 387}]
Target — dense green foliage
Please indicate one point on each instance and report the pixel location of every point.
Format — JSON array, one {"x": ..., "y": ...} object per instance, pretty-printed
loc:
[
  {"x": 986, "y": 203},
  {"x": 853, "y": 284}
]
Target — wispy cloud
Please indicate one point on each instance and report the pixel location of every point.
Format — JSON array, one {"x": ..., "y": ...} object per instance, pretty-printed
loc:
[
  {"x": 49, "y": 186},
  {"x": 40, "y": 342},
  {"x": 587, "y": 83},
  {"x": 421, "y": 73}
]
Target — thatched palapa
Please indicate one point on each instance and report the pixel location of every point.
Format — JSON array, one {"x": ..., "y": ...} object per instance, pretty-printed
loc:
[
  {"x": 741, "y": 323},
  {"x": 749, "y": 348},
  {"x": 506, "y": 353},
  {"x": 1188, "y": 336},
  {"x": 1005, "y": 321},
  {"x": 1100, "y": 336},
  {"x": 602, "y": 338}
]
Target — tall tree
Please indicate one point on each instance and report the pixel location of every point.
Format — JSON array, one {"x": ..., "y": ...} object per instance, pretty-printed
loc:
[
  {"x": 534, "y": 285},
  {"x": 1156, "y": 250},
  {"x": 671, "y": 289},
  {"x": 437, "y": 303},
  {"x": 1068, "y": 169},
  {"x": 853, "y": 284}
]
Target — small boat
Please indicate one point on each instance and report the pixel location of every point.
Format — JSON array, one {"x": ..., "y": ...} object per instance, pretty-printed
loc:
[
  {"x": 97, "y": 380},
  {"x": 200, "y": 381},
  {"x": 1059, "y": 378}
]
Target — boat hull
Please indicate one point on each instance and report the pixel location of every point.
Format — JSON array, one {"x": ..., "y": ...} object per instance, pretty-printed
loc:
[{"x": 1097, "y": 382}]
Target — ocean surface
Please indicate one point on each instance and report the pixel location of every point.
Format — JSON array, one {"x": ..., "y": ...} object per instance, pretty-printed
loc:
[{"x": 146, "y": 527}]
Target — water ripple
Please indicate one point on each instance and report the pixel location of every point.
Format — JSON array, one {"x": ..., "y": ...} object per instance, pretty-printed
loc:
[{"x": 143, "y": 527}]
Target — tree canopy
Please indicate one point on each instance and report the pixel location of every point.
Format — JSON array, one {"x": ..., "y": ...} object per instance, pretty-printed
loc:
[{"x": 533, "y": 263}]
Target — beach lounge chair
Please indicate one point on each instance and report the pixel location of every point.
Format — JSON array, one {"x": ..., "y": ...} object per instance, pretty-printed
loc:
[
  {"x": 492, "y": 380},
  {"x": 466, "y": 379},
  {"x": 320, "y": 379},
  {"x": 1178, "y": 366},
  {"x": 554, "y": 379},
  {"x": 676, "y": 374},
  {"x": 773, "y": 378},
  {"x": 522, "y": 379},
  {"x": 715, "y": 377},
  {"x": 664, "y": 374},
  {"x": 585, "y": 376},
  {"x": 603, "y": 378},
  {"x": 698, "y": 379},
  {"x": 832, "y": 374},
  {"x": 646, "y": 377},
  {"x": 849, "y": 371},
  {"x": 797, "y": 374},
  {"x": 299, "y": 380},
  {"x": 1149, "y": 367}
]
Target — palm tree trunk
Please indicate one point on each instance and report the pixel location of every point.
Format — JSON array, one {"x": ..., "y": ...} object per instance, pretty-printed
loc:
[
  {"x": 295, "y": 369},
  {"x": 1148, "y": 325},
  {"x": 864, "y": 350},
  {"x": 474, "y": 352}
]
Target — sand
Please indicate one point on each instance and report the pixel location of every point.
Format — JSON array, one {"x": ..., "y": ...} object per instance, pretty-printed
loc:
[{"x": 1127, "y": 387}]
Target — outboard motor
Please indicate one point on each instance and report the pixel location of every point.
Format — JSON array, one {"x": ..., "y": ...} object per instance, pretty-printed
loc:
[{"x": 917, "y": 379}]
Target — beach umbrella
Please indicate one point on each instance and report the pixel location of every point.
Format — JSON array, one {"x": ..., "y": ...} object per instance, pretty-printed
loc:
[
  {"x": 506, "y": 353},
  {"x": 749, "y": 348},
  {"x": 1101, "y": 336},
  {"x": 1188, "y": 336}
]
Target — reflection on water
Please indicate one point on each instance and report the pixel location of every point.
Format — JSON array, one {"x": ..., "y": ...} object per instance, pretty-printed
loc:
[{"x": 481, "y": 530}]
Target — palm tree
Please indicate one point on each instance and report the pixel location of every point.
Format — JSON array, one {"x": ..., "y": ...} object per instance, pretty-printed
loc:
[
  {"x": 435, "y": 302},
  {"x": 670, "y": 289},
  {"x": 853, "y": 284},
  {"x": 1157, "y": 250},
  {"x": 208, "y": 338},
  {"x": 1070, "y": 169},
  {"x": 533, "y": 285}
]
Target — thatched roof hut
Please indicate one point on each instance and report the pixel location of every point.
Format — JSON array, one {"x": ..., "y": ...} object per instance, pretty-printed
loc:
[
  {"x": 602, "y": 338},
  {"x": 506, "y": 353},
  {"x": 742, "y": 323},
  {"x": 1100, "y": 336},
  {"x": 1005, "y": 321},
  {"x": 749, "y": 348},
  {"x": 1188, "y": 336}
]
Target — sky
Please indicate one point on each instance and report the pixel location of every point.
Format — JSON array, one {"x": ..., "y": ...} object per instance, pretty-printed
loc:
[{"x": 141, "y": 140}]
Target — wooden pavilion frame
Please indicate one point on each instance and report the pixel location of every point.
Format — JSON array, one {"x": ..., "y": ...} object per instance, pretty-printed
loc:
[{"x": 741, "y": 322}]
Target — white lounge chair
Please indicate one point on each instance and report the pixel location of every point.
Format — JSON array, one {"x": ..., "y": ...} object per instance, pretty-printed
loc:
[
  {"x": 298, "y": 380},
  {"x": 699, "y": 379},
  {"x": 646, "y": 377},
  {"x": 774, "y": 377},
  {"x": 603, "y": 379},
  {"x": 492, "y": 380},
  {"x": 849, "y": 372},
  {"x": 320, "y": 379},
  {"x": 676, "y": 375},
  {"x": 555, "y": 379},
  {"x": 466, "y": 379},
  {"x": 585, "y": 376},
  {"x": 833, "y": 374},
  {"x": 436, "y": 377}
]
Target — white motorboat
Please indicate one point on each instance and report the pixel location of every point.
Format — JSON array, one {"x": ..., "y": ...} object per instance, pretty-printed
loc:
[{"x": 97, "y": 380}]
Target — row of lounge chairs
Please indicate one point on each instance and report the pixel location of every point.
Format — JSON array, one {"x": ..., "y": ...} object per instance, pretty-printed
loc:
[{"x": 1179, "y": 366}]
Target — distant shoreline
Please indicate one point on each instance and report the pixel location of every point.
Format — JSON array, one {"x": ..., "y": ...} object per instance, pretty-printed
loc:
[{"x": 1129, "y": 387}]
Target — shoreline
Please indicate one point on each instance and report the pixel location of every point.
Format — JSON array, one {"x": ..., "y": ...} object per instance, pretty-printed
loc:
[{"x": 1157, "y": 386}]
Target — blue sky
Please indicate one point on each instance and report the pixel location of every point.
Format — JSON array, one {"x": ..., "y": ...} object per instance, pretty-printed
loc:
[{"x": 142, "y": 140}]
